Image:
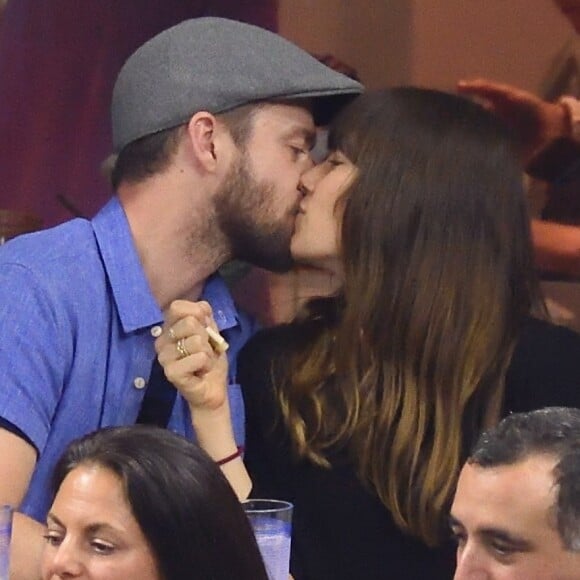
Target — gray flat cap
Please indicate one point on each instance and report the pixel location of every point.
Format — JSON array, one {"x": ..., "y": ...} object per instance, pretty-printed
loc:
[{"x": 215, "y": 64}]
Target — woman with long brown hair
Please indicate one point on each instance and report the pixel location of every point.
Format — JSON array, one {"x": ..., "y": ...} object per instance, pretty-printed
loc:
[{"x": 362, "y": 410}]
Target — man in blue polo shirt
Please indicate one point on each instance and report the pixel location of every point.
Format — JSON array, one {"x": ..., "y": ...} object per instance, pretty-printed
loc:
[{"x": 212, "y": 125}]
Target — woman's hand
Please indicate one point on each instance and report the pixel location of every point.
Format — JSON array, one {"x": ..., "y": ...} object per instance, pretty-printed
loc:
[
  {"x": 186, "y": 354},
  {"x": 197, "y": 365}
]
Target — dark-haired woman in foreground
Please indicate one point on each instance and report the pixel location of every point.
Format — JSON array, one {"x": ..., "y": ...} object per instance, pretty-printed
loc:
[
  {"x": 141, "y": 503},
  {"x": 362, "y": 410}
]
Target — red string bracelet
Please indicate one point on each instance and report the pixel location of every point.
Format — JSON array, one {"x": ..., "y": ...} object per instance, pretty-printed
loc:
[{"x": 237, "y": 453}]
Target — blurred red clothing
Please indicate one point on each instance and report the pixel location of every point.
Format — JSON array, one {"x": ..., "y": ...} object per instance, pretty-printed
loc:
[{"x": 58, "y": 63}]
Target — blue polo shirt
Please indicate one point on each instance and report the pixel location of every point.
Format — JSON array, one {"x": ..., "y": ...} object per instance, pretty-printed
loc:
[{"x": 76, "y": 343}]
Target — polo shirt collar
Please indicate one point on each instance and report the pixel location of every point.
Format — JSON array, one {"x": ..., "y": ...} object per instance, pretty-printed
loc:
[
  {"x": 136, "y": 305},
  {"x": 218, "y": 295}
]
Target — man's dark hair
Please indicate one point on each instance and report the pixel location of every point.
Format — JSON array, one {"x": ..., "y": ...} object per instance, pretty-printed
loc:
[
  {"x": 146, "y": 156},
  {"x": 151, "y": 154},
  {"x": 553, "y": 431}
]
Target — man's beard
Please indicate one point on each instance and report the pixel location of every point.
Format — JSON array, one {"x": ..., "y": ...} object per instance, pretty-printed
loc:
[{"x": 247, "y": 219}]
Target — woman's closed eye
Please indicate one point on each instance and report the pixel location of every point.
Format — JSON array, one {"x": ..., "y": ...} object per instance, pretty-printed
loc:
[
  {"x": 53, "y": 537},
  {"x": 335, "y": 159}
]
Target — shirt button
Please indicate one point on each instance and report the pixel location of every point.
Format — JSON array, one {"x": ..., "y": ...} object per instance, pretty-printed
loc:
[
  {"x": 156, "y": 331},
  {"x": 139, "y": 383}
]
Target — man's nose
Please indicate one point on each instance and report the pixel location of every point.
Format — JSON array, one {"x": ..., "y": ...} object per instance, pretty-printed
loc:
[{"x": 309, "y": 163}]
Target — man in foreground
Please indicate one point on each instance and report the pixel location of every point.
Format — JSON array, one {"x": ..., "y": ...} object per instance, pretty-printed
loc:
[{"x": 516, "y": 512}]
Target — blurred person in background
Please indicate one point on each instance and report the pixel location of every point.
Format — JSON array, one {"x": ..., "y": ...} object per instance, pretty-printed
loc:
[
  {"x": 549, "y": 136},
  {"x": 549, "y": 130}
]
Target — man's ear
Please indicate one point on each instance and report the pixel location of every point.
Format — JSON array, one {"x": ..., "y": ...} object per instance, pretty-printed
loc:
[{"x": 201, "y": 130}]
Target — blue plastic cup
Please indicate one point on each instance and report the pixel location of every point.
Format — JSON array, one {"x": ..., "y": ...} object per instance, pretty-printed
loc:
[
  {"x": 5, "y": 535},
  {"x": 271, "y": 521}
]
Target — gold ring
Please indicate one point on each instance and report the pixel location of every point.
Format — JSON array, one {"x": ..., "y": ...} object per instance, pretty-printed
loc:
[
  {"x": 181, "y": 348},
  {"x": 172, "y": 334}
]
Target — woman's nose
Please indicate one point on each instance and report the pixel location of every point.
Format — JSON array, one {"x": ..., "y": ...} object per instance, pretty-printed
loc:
[{"x": 63, "y": 562}]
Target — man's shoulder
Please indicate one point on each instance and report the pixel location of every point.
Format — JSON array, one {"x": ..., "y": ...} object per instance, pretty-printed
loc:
[
  {"x": 40, "y": 250},
  {"x": 57, "y": 261}
]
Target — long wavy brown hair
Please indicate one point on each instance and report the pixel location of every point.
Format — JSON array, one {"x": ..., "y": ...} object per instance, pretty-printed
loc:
[{"x": 408, "y": 363}]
